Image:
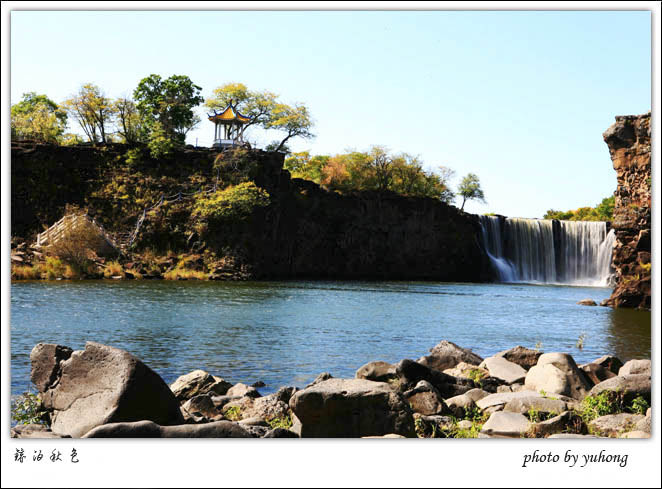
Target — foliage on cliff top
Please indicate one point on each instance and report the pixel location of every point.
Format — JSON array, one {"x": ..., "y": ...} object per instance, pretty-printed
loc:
[
  {"x": 376, "y": 169},
  {"x": 604, "y": 211},
  {"x": 37, "y": 117},
  {"x": 233, "y": 203}
]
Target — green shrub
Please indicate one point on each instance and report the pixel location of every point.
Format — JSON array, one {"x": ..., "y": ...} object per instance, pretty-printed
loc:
[
  {"x": 28, "y": 409},
  {"x": 639, "y": 405},
  {"x": 280, "y": 422},
  {"x": 233, "y": 203},
  {"x": 607, "y": 402}
]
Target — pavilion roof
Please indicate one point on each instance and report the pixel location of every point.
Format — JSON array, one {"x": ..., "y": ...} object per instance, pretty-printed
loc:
[{"x": 230, "y": 113}]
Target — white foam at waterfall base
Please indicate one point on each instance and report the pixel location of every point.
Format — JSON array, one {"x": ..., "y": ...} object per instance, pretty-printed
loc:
[{"x": 527, "y": 251}]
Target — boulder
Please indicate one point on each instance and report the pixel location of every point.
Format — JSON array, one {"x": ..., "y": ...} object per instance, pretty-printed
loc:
[
  {"x": 411, "y": 373},
  {"x": 425, "y": 399},
  {"x": 459, "y": 405},
  {"x": 524, "y": 405},
  {"x": 467, "y": 371},
  {"x": 644, "y": 424},
  {"x": 351, "y": 408},
  {"x": 196, "y": 383},
  {"x": 564, "y": 422},
  {"x": 613, "y": 425},
  {"x": 506, "y": 424},
  {"x": 46, "y": 360},
  {"x": 570, "y": 436},
  {"x": 447, "y": 355},
  {"x": 596, "y": 373},
  {"x": 636, "y": 367},
  {"x": 557, "y": 373},
  {"x": 266, "y": 408},
  {"x": 220, "y": 401},
  {"x": 502, "y": 369},
  {"x": 101, "y": 385},
  {"x": 587, "y": 302},
  {"x": 33, "y": 431},
  {"x": 431, "y": 426},
  {"x": 242, "y": 390},
  {"x": 377, "y": 371},
  {"x": 320, "y": 378},
  {"x": 285, "y": 393},
  {"x": 201, "y": 405},
  {"x": 499, "y": 400},
  {"x": 280, "y": 433},
  {"x": 630, "y": 385},
  {"x": 611, "y": 363},
  {"x": 524, "y": 357},
  {"x": 149, "y": 429}
]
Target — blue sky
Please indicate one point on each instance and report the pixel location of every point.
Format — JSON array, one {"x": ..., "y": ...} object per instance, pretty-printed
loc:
[{"x": 519, "y": 98}]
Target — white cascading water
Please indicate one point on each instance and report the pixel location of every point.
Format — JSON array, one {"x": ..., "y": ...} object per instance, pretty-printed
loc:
[{"x": 531, "y": 250}]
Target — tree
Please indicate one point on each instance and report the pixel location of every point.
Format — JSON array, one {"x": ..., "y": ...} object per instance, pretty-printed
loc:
[
  {"x": 129, "y": 124},
  {"x": 264, "y": 110},
  {"x": 470, "y": 189},
  {"x": 93, "y": 111},
  {"x": 37, "y": 117},
  {"x": 170, "y": 103}
]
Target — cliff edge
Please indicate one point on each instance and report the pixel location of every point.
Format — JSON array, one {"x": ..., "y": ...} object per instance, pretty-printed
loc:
[{"x": 629, "y": 145}]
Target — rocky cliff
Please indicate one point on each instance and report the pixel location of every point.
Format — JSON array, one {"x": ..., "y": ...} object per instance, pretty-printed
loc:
[
  {"x": 305, "y": 232},
  {"x": 630, "y": 149}
]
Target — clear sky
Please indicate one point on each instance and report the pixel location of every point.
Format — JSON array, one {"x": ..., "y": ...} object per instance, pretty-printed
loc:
[{"x": 519, "y": 98}]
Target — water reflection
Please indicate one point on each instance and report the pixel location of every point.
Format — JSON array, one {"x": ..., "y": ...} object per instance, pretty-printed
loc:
[{"x": 630, "y": 333}]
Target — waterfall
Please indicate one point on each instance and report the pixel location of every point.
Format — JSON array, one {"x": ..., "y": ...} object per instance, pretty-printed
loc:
[{"x": 546, "y": 251}]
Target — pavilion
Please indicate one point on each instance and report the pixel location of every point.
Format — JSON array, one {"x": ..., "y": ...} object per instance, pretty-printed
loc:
[{"x": 228, "y": 127}]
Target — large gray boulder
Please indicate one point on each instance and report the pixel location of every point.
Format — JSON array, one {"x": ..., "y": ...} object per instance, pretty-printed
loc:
[
  {"x": 447, "y": 354},
  {"x": 630, "y": 385},
  {"x": 506, "y": 424},
  {"x": 242, "y": 390},
  {"x": 636, "y": 367},
  {"x": 425, "y": 399},
  {"x": 499, "y": 400},
  {"x": 524, "y": 405},
  {"x": 557, "y": 373},
  {"x": 503, "y": 369},
  {"x": 46, "y": 362},
  {"x": 524, "y": 357},
  {"x": 149, "y": 429},
  {"x": 613, "y": 425},
  {"x": 197, "y": 383},
  {"x": 351, "y": 408},
  {"x": 101, "y": 385}
]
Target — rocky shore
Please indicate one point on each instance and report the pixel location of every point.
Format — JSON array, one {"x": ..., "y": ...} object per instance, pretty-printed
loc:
[{"x": 105, "y": 392}]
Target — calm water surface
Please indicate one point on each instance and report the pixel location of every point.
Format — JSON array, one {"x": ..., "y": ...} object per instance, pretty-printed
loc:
[{"x": 286, "y": 333}]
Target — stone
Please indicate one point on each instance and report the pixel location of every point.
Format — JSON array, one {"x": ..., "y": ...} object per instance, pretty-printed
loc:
[
  {"x": 465, "y": 424},
  {"x": 377, "y": 371},
  {"x": 630, "y": 385},
  {"x": 476, "y": 394},
  {"x": 636, "y": 434},
  {"x": 45, "y": 359},
  {"x": 254, "y": 421},
  {"x": 284, "y": 394},
  {"x": 257, "y": 384},
  {"x": 201, "y": 405},
  {"x": 644, "y": 424},
  {"x": 524, "y": 405},
  {"x": 266, "y": 408},
  {"x": 564, "y": 422},
  {"x": 501, "y": 399},
  {"x": 33, "y": 431},
  {"x": 524, "y": 357},
  {"x": 596, "y": 373},
  {"x": 447, "y": 354},
  {"x": 557, "y": 373},
  {"x": 635, "y": 367},
  {"x": 504, "y": 388},
  {"x": 220, "y": 401},
  {"x": 389, "y": 436},
  {"x": 280, "y": 433},
  {"x": 242, "y": 390},
  {"x": 411, "y": 373},
  {"x": 587, "y": 302},
  {"x": 459, "y": 405},
  {"x": 196, "y": 383},
  {"x": 491, "y": 384},
  {"x": 430, "y": 426},
  {"x": 149, "y": 429},
  {"x": 506, "y": 424},
  {"x": 502, "y": 369},
  {"x": 101, "y": 385},
  {"x": 320, "y": 378},
  {"x": 613, "y": 425},
  {"x": 611, "y": 363},
  {"x": 570, "y": 436},
  {"x": 425, "y": 402},
  {"x": 467, "y": 371},
  {"x": 351, "y": 408}
]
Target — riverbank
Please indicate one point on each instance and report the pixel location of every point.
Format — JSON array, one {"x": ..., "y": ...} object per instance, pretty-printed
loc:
[{"x": 104, "y": 391}]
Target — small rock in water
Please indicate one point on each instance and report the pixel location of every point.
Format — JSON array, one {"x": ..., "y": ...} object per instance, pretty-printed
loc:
[
  {"x": 587, "y": 302},
  {"x": 257, "y": 384}
]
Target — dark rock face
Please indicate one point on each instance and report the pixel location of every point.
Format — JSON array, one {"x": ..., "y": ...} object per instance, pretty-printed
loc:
[
  {"x": 351, "y": 408},
  {"x": 522, "y": 356},
  {"x": 100, "y": 385},
  {"x": 411, "y": 373},
  {"x": 46, "y": 362},
  {"x": 630, "y": 150}
]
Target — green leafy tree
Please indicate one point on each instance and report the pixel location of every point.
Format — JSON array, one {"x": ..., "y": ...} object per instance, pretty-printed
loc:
[
  {"x": 129, "y": 123},
  {"x": 302, "y": 165},
  {"x": 294, "y": 121},
  {"x": 92, "y": 110},
  {"x": 169, "y": 103},
  {"x": 37, "y": 117},
  {"x": 236, "y": 202},
  {"x": 604, "y": 211},
  {"x": 470, "y": 189}
]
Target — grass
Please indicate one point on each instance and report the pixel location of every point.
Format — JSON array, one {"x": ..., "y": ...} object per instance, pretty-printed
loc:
[
  {"x": 639, "y": 406},
  {"x": 185, "y": 274},
  {"x": 580, "y": 341},
  {"x": 284, "y": 422},
  {"x": 113, "y": 269},
  {"x": 233, "y": 413},
  {"x": 25, "y": 272}
]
